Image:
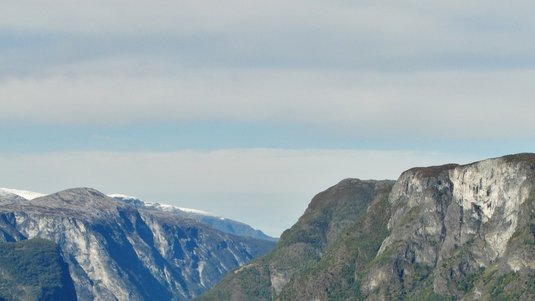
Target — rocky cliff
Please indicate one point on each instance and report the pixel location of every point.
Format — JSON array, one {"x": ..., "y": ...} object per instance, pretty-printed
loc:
[
  {"x": 213, "y": 221},
  {"x": 460, "y": 232},
  {"x": 302, "y": 248},
  {"x": 115, "y": 251},
  {"x": 438, "y": 233}
]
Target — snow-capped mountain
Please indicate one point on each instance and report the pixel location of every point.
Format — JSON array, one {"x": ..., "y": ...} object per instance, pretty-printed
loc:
[
  {"x": 159, "y": 206},
  {"x": 213, "y": 220},
  {"x": 120, "y": 250},
  {"x": 29, "y": 195}
]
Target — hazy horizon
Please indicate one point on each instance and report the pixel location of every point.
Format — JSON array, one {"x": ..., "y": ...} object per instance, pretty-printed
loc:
[{"x": 247, "y": 109}]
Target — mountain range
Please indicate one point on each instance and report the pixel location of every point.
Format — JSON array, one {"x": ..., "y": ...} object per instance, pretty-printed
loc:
[
  {"x": 451, "y": 232},
  {"x": 116, "y": 251}
]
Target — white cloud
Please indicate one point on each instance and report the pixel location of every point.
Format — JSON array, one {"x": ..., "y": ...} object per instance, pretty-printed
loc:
[
  {"x": 268, "y": 188},
  {"x": 443, "y": 104},
  {"x": 373, "y": 69},
  {"x": 199, "y": 16},
  {"x": 375, "y": 35},
  {"x": 240, "y": 15},
  {"x": 453, "y": 69}
]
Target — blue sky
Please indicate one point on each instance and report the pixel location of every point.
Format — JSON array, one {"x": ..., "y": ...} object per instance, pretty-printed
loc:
[{"x": 257, "y": 105}]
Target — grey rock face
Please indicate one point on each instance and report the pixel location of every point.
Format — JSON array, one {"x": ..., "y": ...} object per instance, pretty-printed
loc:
[
  {"x": 319, "y": 229},
  {"x": 456, "y": 221},
  {"x": 447, "y": 232},
  {"x": 219, "y": 223},
  {"x": 118, "y": 252}
]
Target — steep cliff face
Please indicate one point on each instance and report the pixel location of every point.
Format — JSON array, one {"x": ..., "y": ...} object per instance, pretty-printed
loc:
[
  {"x": 216, "y": 222},
  {"x": 439, "y": 233},
  {"x": 456, "y": 229},
  {"x": 118, "y": 252},
  {"x": 302, "y": 248}
]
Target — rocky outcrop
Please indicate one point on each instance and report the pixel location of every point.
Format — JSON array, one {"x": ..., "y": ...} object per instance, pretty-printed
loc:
[
  {"x": 115, "y": 251},
  {"x": 456, "y": 223},
  {"x": 305, "y": 245},
  {"x": 439, "y": 233},
  {"x": 213, "y": 221}
]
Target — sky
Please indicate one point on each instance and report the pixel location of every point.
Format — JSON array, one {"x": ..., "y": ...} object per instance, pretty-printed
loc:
[{"x": 247, "y": 109}]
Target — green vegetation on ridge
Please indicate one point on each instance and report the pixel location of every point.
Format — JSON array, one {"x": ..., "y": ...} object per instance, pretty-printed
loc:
[
  {"x": 443, "y": 232},
  {"x": 323, "y": 237},
  {"x": 33, "y": 270}
]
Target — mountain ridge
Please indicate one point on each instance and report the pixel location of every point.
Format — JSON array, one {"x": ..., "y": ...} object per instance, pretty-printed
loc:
[
  {"x": 212, "y": 220},
  {"x": 448, "y": 232},
  {"x": 118, "y": 252},
  {"x": 217, "y": 222}
]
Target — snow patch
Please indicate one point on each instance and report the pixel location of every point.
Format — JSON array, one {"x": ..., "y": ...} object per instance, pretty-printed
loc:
[
  {"x": 122, "y": 196},
  {"x": 164, "y": 207},
  {"x": 29, "y": 195}
]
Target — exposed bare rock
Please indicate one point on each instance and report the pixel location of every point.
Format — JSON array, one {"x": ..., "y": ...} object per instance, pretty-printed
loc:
[
  {"x": 439, "y": 233},
  {"x": 118, "y": 252}
]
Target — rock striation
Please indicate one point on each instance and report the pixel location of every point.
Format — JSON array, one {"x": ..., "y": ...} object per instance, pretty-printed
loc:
[
  {"x": 115, "y": 251},
  {"x": 302, "y": 248},
  {"x": 459, "y": 228},
  {"x": 451, "y": 232},
  {"x": 213, "y": 221}
]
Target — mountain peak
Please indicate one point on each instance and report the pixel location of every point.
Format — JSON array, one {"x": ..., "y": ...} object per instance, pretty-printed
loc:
[
  {"x": 117, "y": 251},
  {"x": 85, "y": 191},
  {"x": 445, "y": 232}
]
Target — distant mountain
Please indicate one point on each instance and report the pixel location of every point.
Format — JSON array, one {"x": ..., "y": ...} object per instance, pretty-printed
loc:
[
  {"x": 452, "y": 232},
  {"x": 118, "y": 251},
  {"x": 29, "y": 195},
  {"x": 220, "y": 223}
]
